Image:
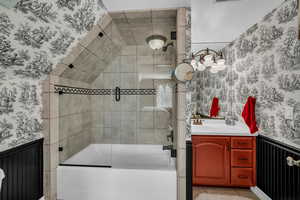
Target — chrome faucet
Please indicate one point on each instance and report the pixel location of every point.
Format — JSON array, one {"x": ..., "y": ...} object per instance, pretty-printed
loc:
[{"x": 171, "y": 148}]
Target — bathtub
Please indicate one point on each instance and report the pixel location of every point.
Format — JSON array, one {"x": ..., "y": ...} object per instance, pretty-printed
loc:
[{"x": 118, "y": 171}]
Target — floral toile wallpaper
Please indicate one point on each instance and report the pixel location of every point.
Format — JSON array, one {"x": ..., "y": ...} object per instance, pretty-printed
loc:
[
  {"x": 34, "y": 36},
  {"x": 263, "y": 62}
]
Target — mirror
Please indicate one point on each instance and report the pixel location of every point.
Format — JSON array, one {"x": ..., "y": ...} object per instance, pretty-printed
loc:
[{"x": 184, "y": 72}]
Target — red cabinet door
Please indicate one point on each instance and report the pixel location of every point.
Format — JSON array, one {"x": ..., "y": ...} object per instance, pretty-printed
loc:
[{"x": 211, "y": 160}]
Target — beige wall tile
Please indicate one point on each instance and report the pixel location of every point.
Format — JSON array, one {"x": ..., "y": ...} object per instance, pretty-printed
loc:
[
  {"x": 145, "y": 60},
  {"x": 129, "y": 50},
  {"x": 144, "y": 50},
  {"x": 161, "y": 136},
  {"x": 72, "y": 55},
  {"x": 91, "y": 35},
  {"x": 128, "y": 64},
  {"x": 146, "y": 119},
  {"x": 104, "y": 21},
  {"x": 162, "y": 119},
  {"x": 146, "y": 136}
]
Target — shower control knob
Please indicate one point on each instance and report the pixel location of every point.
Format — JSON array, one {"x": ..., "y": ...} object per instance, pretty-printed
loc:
[{"x": 291, "y": 162}]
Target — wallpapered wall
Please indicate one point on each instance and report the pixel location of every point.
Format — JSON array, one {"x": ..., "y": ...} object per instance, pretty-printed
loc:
[
  {"x": 34, "y": 37},
  {"x": 263, "y": 62}
]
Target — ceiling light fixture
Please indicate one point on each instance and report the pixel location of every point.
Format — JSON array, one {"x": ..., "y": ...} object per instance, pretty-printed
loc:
[
  {"x": 156, "y": 41},
  {"x": 208, "y": 58}
]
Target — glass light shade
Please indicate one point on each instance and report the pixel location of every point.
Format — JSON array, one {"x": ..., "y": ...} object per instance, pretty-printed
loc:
[
  {"x": 213, "y": 70},
  {"x": 221, "y": 62},
  {"x": 208, "y": 63},
  {"x": 221, "y": 67},
  {"x": 200, "y": 66},
  {"x": 194, "y": 64},
  {"x": 208, "y": 58},
  {"x": 156, "y": 41},
  {"x": 214, "y": 66}
]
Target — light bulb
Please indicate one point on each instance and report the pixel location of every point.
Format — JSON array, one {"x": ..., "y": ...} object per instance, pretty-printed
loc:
[
  {"x": 156, "y": 44},
  {"x": 221, "y": 62},
  {"x": 201, "y": 67},
  {"x": 208, "y": 58},
  {"x": 214, "y": 71},
  {"x": 194, "y": 64}
]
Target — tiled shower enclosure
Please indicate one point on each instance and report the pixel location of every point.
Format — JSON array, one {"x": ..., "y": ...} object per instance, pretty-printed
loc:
[{"x": 81, "y": 97}]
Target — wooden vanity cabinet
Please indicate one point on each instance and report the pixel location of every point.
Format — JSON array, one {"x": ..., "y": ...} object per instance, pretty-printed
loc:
[
  {"x": 224, "y": 160},
  {"x": 211, "y": 160}
]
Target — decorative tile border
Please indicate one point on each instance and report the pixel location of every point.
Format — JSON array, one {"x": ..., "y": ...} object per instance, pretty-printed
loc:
[
  {"x": 138, "y": 92},
  {"x": 61, "y": 89},
  {"x": 82, "y": 91}
]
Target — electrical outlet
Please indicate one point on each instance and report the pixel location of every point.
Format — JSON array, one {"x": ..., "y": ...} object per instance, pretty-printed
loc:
[{"x": 289, "y": 112}]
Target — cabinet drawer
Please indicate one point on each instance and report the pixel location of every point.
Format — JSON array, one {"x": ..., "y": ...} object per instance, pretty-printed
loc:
[
  {"x": 241, "y": 158},
  {"x": 241, "y": 142},
  {"x": 242, "y": 176}
]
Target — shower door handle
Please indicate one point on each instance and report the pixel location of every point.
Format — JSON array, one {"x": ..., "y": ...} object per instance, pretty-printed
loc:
[{"x": 118, "y": 94}]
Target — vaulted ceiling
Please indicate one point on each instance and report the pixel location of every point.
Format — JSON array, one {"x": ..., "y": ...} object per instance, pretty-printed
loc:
[
  {"x": 218, "y": 23},
  {"x": 122, "y": 28},
  {"x": 136, "y": 26},
  {"x": 126, "y": 5}
]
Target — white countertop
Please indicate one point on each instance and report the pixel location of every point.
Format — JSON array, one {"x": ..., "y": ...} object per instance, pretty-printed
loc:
[{"x": 218, "y": 127}]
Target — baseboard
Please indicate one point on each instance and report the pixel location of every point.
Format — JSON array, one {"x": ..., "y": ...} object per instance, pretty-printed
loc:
[{"x": 259, "y": 193}]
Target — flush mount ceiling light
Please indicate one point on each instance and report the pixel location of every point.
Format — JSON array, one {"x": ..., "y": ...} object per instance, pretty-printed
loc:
[
  {"x": 208, "y": 58},
  {"x": 156, "y": 41}
]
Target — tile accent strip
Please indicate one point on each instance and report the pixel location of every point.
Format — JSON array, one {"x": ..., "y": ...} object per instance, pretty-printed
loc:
[
  {"x": 138, "y": 92},
  {"x": 83, "y": 91},
  {"x": 61, "y": 89}
]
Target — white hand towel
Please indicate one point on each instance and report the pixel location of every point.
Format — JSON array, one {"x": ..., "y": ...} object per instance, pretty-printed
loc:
[{"x": 164, "y": 96}]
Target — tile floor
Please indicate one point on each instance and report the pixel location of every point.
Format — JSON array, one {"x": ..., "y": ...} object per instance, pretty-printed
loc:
[{"x": 221, "y": 193}]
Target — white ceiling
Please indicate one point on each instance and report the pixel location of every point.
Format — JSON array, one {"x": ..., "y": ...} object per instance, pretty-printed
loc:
[
  {"x": 136, "y": 26},
  {"x": 121, "y": 5},
  {"x": 224, "y": 21},
  {"x": 213, "y": 24}
]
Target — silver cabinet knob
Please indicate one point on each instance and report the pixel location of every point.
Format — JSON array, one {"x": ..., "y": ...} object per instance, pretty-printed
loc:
[{"x": 291, "y": 162}]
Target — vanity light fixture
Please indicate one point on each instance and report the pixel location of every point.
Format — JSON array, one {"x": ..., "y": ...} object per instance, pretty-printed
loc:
[
  {"x": 156, "y": 41},
  {"x": 208, "y": 58}
]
